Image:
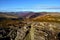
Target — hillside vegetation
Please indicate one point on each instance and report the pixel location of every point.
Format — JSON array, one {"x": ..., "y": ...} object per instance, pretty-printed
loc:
[
  {"x": 34, "y": 27},
  {"x": 47, "y": 18}
]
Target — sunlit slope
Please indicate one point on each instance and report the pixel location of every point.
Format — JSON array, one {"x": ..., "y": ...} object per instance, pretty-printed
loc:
[
  {"x": 48, "y": 18},
  {"x": 8, "y": 15}
]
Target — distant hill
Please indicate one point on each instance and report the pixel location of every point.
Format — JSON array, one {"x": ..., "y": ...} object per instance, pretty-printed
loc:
[
  {"x": 8, "y": 15},
  {"x": 49, "y": 17},
  {"x": 34, "y": 15},
  {"x": 19, "y": 14}
]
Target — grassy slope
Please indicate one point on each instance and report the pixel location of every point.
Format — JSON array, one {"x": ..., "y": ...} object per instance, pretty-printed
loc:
[{"x": 47, "y": 18}]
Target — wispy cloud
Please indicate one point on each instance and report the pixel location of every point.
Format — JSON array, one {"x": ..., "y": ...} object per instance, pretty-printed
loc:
[
  {"x": 40, "y": 8},
  {"x": 54, "y": 7},
  {"x": 46, "y": 7},
  {"x": 36, "y": 7}
]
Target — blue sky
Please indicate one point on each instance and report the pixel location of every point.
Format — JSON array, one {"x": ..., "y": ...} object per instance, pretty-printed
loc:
[{"x": 30, "y": 5}]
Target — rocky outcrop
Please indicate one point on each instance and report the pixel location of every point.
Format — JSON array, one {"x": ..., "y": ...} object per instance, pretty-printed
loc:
[
  {"x": 35, "y": 30},
  {"x": 42, "y": 31},
  {"x": 46, "y": 30}
]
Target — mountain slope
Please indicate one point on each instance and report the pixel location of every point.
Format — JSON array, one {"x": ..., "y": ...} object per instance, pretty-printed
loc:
[{"x": 48, "y": 17}]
